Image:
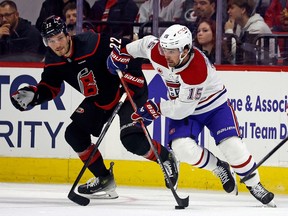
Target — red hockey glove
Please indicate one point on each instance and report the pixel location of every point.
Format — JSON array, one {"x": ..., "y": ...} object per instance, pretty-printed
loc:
[
  {"x": 147, "y": 113},
  {"x": 24, "y": 97},
  {"x": 117, "y": 61}
]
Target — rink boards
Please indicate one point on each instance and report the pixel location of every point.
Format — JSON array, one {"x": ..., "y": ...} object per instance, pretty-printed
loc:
[{"x": 33, "y": 148}]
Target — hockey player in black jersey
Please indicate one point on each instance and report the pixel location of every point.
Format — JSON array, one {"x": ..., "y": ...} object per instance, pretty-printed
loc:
[{"x": 81, "y": 61}]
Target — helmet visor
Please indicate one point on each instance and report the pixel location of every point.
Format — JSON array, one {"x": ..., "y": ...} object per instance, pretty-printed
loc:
[
  {"x": 168, "y": 52},
  {"x": 53, "y": 39}
]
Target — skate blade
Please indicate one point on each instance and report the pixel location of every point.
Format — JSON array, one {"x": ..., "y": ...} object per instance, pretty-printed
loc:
[
  {"x": 104, "y": 195},
  {"x": 235, "y": 191},
  {"x": 271, "y": 204}
]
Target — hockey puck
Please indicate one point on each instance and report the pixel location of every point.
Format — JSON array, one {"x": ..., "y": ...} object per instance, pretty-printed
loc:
[{"x": 179, "y": 207}]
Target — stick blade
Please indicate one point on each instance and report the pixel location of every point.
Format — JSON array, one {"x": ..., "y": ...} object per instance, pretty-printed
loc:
[
  {"x": 80, "y": 200},
  {"x": 184, "y": 202},
  {"x": 179, "y": 207}
]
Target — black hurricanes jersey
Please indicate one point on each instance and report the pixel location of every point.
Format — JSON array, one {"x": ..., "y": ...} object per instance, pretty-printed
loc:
[{"x": 85, "y": 70}]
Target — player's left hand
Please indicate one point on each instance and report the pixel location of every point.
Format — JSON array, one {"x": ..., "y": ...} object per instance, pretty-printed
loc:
[
  {"x": 23, "y": 98},
  {"x": 147, "y": 113}
]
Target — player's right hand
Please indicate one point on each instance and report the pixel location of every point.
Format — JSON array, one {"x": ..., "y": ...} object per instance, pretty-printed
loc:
[
  {"x": 22, "y": 98},
  {"x": 117, "y": 61},
  {"x": 147, "y": 113}
]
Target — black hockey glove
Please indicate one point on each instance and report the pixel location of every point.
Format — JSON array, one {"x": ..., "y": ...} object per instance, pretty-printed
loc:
[{"x": 23, "y": 98}]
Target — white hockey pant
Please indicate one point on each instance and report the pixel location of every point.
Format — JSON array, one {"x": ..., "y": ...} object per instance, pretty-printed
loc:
[{"x": 188, "y": 151}]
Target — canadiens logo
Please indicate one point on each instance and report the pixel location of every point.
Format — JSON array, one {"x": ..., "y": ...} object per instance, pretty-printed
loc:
[
  {"x": 160, "y": 70},
  {"x": 151, "y": 44},
  {"x": 80, "y": 110}
]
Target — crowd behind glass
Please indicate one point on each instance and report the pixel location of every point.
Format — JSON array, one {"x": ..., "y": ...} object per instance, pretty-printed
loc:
[{"x": 240, "y": 32}]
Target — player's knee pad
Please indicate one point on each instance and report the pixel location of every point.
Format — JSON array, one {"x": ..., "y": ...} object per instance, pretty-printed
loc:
[
  {"x": 136, "y": 143},
  {"x": 187, "y": 150},
  {"x": 78, "y": 140},
  {"x": 234, "y": 150},
  {"x": 238, "y": 156}
]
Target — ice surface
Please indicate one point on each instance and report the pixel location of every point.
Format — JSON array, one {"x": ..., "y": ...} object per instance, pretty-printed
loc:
[{"x": 51, "y": 200}]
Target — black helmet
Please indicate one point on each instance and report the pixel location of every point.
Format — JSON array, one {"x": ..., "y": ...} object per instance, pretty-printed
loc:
[{"x": 53, "y": 25}]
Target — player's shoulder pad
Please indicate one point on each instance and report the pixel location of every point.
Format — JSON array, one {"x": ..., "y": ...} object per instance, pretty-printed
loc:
[
  {"x": 151, "y": 41},
  {"x": 85, "y": 43},
  {"x": 197, "y": 71},
  {"x": 124, "y": 42},
  {"x": 84, "y": 36}
]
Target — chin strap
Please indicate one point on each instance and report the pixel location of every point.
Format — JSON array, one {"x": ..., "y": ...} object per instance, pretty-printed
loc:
[
  {"x": 181, "y": 59},
  {"x": 69, "y": 47}
]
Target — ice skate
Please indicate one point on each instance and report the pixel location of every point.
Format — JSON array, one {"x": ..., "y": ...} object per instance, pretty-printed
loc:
[
  {"x": 100, "y": 187},
  {"x": 171, "y": 165},
  {"x": 263, "y": 195},
  {"x": 227, "y": 177}
]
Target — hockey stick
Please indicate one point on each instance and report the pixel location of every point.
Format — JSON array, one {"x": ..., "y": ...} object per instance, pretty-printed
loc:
[
  {"x": 249, "y": 175},
  {"x": 182, "y": 203},
  {"x": 81, "y": 200}
]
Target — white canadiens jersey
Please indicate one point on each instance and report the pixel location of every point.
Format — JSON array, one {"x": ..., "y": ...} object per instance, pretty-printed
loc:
[{"x": 194, "y": 88}]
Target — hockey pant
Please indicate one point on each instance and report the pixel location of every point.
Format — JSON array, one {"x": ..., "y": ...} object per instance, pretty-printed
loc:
[{"x": 233, "y": 149}]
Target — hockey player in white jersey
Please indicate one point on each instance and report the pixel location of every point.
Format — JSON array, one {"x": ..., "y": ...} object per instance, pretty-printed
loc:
[{"x": 197, "y": 99}]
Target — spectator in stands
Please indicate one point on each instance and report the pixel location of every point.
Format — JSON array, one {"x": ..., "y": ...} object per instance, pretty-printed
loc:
[
  {"x": 70, "y": 15},
  {"x": 169, "y": 10},
  {"x": 55, "y": 7},
  {"x": 205, "y": 38},
  {"x": 248, "y": 23},
  {"x": 205, "y": 9},
  {"x": 276, "y": 15},
  {"x": 19, "y": 40},
  {"x": 114, "y": 10},
  {"x": 188, "y": 14}
]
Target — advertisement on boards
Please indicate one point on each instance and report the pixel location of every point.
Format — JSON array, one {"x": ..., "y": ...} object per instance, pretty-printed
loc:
[{"x": 258, "y": 98}]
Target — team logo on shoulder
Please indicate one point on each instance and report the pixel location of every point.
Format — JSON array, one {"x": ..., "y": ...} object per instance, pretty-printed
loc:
[{"x": 151, "y": 45}]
